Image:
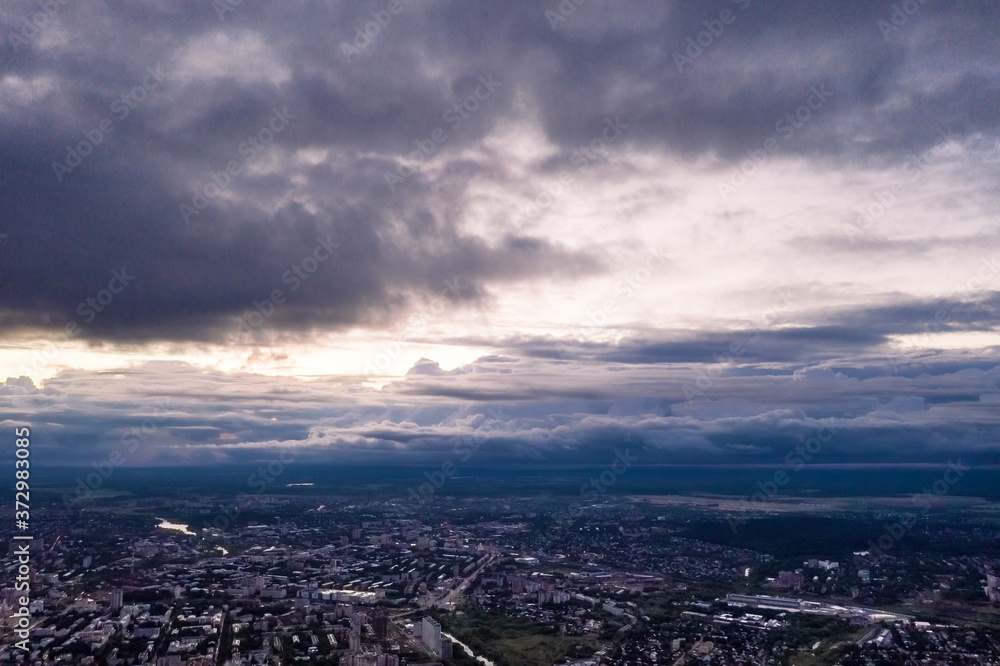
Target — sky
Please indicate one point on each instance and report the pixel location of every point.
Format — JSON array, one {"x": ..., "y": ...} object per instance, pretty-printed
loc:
[{"x": 710, "y": 231}]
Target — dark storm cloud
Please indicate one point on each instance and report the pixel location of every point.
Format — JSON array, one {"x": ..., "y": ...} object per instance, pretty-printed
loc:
[
  {"x": 786, "y": 345},
  {"x": 118, "y": 208},
  {"x": 979, "y": 312},
  {"x": 220, "y": 79},
  {"x": 832, "y": 333},
  {"x": 762, "y": 67}
]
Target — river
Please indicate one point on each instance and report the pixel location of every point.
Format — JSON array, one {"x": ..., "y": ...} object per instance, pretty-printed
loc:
[
  {"x": 465, "y": 647},
  {"x": 176, "y": 527}
]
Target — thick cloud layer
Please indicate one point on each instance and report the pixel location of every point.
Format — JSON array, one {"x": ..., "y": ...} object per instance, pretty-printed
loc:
[
  {"x": 198, "y": 80},
  {"x": 510, "y": 410},
  {"x": 175, "y": 174}
]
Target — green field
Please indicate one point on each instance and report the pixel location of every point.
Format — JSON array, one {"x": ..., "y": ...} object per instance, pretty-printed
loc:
[{"x": 516, "y": 642}]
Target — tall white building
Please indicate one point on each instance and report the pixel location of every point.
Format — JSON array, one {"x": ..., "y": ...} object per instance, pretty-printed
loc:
[
  {"x": 430, "y": 634},
  {"x": 992, "y": 588}
]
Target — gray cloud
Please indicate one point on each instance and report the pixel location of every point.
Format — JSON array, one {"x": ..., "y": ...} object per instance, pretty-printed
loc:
[
  {"x": 322, "y": 180},
  {"x": 224, "y": 77},
  {"x": 522, "y": 409}
]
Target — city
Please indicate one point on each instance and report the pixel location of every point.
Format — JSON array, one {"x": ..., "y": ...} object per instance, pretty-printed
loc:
[{"x": 301, "y": 577}]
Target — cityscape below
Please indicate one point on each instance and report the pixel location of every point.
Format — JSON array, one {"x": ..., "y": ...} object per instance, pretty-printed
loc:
[{"x": 334, "y": 566}]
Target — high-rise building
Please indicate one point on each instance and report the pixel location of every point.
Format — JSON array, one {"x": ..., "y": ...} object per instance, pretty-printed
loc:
[
  {"x": 380, "y": 624},
  {"x": 790, "y": 579},
  {"x": 992, "y": 588},
  {"x": 117, "y": 598},
  {"x": 354, "y": 640},
  {"x": 430, "y": 634}
]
